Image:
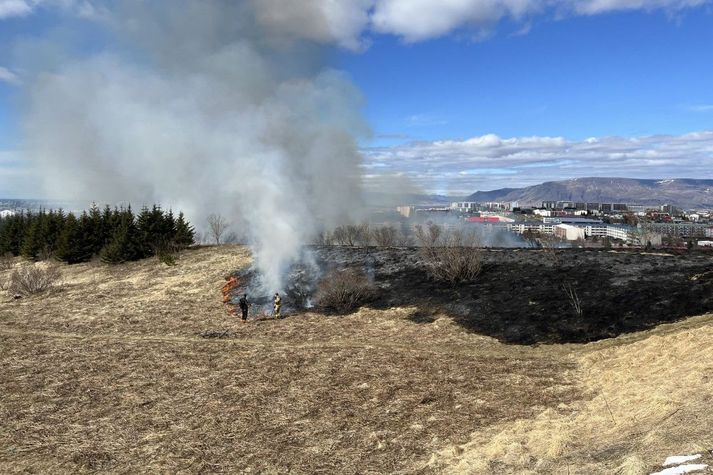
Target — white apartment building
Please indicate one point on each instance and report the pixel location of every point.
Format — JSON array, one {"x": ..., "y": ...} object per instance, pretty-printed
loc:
[
  {"x": 464, "y": 206},
  {"x": 568, "y": 232}
]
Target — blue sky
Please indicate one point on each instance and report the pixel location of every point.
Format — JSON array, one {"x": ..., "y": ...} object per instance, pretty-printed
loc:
[
  {"x": 628, "y": 74},
  {"x": 459, "y": 95}
]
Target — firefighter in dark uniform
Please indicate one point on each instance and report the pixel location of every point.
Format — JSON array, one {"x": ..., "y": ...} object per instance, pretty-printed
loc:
[{"x": 243, "y": 304}]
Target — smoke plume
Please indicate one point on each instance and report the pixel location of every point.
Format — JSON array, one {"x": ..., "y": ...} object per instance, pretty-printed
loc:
[{"x": 194, "y": 104}]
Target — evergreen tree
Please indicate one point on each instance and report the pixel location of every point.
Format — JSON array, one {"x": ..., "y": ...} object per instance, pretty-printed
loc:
[
  {"x": 185, "y": 234},
  {"x": 13, "y": 233},
  {"x": 66, "y": 242},
  {"x": 95, "y": 228},
  {"x": 87, "y": 237},
  {"x": 117, "y": 235},
  {"x": 50, "y": 231},
  {"x": 125, "y": 244},
  {"x": 168, "y": 229},
  {"x": 32, "y": 240}
]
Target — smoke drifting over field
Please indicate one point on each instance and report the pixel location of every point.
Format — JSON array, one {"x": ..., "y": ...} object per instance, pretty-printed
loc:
[{"x": 193, "y": 104}]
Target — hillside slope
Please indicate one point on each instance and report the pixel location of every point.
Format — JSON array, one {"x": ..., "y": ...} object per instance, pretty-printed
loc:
[
  {"x": 111, "y": 374},
  {"x": 686, "y": 193}
]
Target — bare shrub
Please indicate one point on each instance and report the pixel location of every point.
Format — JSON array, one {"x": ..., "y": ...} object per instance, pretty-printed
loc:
[
  {"x": 324, "y": 238},
  {"x": 451, "y": 256},
  {"x": 341, "y": 237},
  {"x": 32, "y": 280},
  {"x": 352, "y": 235},
  {"x": 550, "y": 245},
  {"x": 217, "y": 225},
  {"x": 404, "y": 238},
  {"x": 429, "y": 236},
  {"x": 344, "y": 290},
  {"x": 363, "y": 234},
  {"x": 385, "y": 236}
]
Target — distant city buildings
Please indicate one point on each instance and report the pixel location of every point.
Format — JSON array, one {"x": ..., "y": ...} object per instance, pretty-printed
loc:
[
  {"x": 568, "y": 220},
  {"x": 465, "y": 206}
]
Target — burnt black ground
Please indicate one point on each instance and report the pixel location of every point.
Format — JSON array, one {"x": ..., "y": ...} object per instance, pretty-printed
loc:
[{"x": 519, "y": 296}]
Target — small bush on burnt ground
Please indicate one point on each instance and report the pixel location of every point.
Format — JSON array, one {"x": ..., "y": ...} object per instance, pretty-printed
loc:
[
  {"x": 352, "y": 235},
  {"x": 385, "y": 236},
  {"x": 32, "y": 280},
  {"x": 342, "y": 291},
  {"x": 451, "y": 256}
]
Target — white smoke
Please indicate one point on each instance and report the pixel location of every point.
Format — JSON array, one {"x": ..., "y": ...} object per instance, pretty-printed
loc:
[{"x": 194, "y": 106}]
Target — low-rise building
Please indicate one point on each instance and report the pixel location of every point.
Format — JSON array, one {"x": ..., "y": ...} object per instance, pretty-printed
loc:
[
  {"x": 683, "y": 229},
  {"x": 465, "y": 206},
  {"x": 568, "y": 232}
]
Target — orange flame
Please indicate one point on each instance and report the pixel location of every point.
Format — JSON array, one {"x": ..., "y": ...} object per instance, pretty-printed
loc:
[{"x": 230, "y": 285}]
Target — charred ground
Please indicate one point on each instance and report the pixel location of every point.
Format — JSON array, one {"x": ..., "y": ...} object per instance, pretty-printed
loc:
[{"x": 526, "y": 296}]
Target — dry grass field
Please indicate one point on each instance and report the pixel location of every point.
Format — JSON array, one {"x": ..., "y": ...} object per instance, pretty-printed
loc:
[{"x": 110, "y": 373}]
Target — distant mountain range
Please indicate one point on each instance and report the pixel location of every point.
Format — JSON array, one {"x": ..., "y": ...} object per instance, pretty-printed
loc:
[
  {"x": 383, "y": 199},
  {"x": 681, "y": 192}
]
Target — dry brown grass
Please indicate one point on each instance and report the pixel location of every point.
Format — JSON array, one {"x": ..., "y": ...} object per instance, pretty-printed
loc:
[
  {"x": 110, "y": 374},
  {"x": 649, "y": 396}
]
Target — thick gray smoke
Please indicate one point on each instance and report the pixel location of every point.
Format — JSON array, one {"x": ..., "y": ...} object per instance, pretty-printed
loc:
[{"x": 194, "y": 105}]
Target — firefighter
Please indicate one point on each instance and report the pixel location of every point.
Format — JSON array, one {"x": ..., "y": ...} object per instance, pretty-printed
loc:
[
  {"x": 243, "y": 304},
  {"x": 277, "y": 305}
]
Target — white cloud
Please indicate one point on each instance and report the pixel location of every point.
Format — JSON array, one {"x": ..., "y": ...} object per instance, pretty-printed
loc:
[
  {"x": 424, "y": 120},
  {"x": 490, "y": 162},
  {"x": 593, "y": 7},
  {"x": 416, "y": 20},
  {"x": 348, "y": 22},
  {"x": 8, "y": 76},
  {"x": 14, "y": 8},
  {"x": 19, "y": 8},
  {"x": 701, "y": 108}
]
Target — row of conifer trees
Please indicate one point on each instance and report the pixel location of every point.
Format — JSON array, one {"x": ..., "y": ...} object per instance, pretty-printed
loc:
[{"x": 115, "y": 235}]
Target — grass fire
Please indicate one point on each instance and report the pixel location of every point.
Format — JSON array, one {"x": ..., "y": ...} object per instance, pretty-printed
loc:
[
  {"x": 155, "y": 372},
  {"x": 289, "y": 237}
]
